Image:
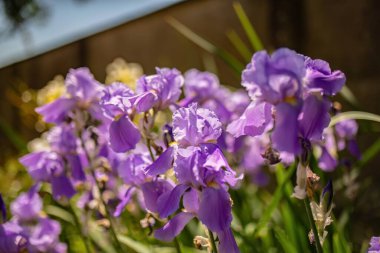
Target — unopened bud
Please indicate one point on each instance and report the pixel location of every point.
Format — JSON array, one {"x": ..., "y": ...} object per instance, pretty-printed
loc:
[
  {"x": 271, "y": 155},
  {"x": 201, "y": 242}
]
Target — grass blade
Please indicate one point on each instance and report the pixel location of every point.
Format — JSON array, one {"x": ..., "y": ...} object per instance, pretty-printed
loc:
[
  {"x": 370, "y": 153},
  {"x": 59, "y": 213},
  {"x": 228, "y": 58},
  {"x": 132, "y": 244},
  {"x": 348, "y": 95},
  {"x": 239, "y": 45},
  {"x": 277, "y": 196},
  {"x": 354, "y": 115},
  {"x": 13, "y": 136},
  {"x": 97, "y": 237},
  {"x": 284, "y": 241},
  {"x": 248, "y": 27}
]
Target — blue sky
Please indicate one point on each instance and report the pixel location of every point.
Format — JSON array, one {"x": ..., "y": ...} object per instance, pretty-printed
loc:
[{"x": 70, "y": 20}]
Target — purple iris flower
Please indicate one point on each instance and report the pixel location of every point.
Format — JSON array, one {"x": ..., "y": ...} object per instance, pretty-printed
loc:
[
  {"x": 48, "y": 166},
  {"x": 28, "y": 205},
  {"x": 44, "y": 237},
  {"x": 203, "y": 175},
  {"x": 294, "y": 89},
  {"x": 275, "y": 79},
  {"x": 319, "y": 77},
  {"x": 12, "y": 238},
  {"x": 200, "y": 87},
  {"x": 346, "y": 132},
  {"x": 63, "y": 141},
  {"x": 117, "y": 104},
  {"x": 374, "y": 245},
  {"x": 336, "y": 139},
  {"x": 28, "y": 231},
  {"x": 132, "y": 170},
  {"x": 274, "y": 83},
  {"x": 160, "y": 90},
  {"x": 82, "y": 92},
  {"x": 204, "y": 88}
]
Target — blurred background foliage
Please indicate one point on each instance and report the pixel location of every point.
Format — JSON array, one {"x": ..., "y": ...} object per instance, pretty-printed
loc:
[{"x": 219, "y": 36}]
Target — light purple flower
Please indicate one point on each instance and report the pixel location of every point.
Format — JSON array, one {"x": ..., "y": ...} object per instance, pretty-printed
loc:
[
  {"x": 83, "y": 92},
  {"x": 49, "y": 167},
  {"x": 12, "y": 238},
  {"x": 117, "y": 100},
  {"x": 28, "y": 205},
  {"x": 374, "y": 245},
  {"x": 276, "y": 78},
  {"x": 193, "y": 125},
  {"x": 255, "y": 120},
  {"x": 44, "y": 237},
  {"x": 81, "y": 84},
  {"x": 203, "y": 175},
  {"x": 62, "y": 139},
  {"x": 117, "y": 104},
  {"x": 200, "y": 85},
  {"x": 319, "y": 77},
  {"x": 159, "y": 90}
]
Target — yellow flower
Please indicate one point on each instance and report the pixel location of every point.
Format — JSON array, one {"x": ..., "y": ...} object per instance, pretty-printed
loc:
[
  {"x": 53, "y": 90},
  {"x": 121, "y": 71}
]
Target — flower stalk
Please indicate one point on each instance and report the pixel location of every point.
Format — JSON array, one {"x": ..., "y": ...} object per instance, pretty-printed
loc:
[
  {"x": 107, "y": 212},
  {"x": 79, "y": 227},
  {"x": 313, "y": 226},
  {"x": 214, "y": 249}
]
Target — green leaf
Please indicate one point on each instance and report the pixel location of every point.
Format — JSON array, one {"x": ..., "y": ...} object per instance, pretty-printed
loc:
[
  {"x": 354, "y": 115},
  {"x": 349, "y": 95},
  {"x": 277, "y": 196},
  {"x": 98, "y": 238},
  {"x": 229, "y": 59},
  {"x": 248, "y": 27},
  {"x": 59, "y": 213},
  {"x": 370, "y": 153},
  {"x": 14, "y": 137},
  {"x": 239, "y": 45},
  {"x": 284, "y": 241},
  {"x": 132, "y": 244}
]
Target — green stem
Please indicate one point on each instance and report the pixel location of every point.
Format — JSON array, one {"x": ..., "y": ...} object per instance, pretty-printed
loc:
[
  {"x": 150, "y": 149},
  {"x": 212, "y": 240},
  {"x": 108, "y": 215},
  {"x": 78, "y": 225},
  {"x": 313, "y": 226},
  {"x": 177, "y": 245}
]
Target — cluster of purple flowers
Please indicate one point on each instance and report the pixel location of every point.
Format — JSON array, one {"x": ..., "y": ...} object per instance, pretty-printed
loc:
[
  {"x": 374, "y": 245},
  {"x": 174, "y": 139},
  {"x": 29, "y": 230}
]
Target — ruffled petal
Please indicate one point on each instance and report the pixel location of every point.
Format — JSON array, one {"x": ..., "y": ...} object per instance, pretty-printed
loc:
[
  {"x": 56, "y": 111},
  {"x": 254, "y": 121},
  {"x": 319, "y": 76}
]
